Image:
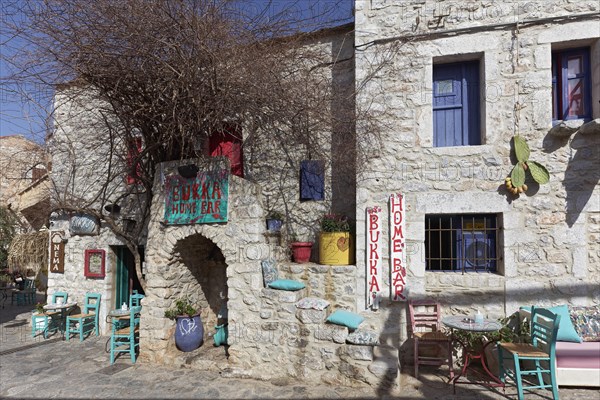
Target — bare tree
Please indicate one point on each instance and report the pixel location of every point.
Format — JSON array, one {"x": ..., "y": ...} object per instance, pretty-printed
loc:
[{"x": 154, "y": 79}]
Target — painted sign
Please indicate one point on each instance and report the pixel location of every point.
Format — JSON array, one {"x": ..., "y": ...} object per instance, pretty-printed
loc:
[
  {"x": 374, "y": 256},
  {"x": 83, "y": 224},
  {"x": 198, "y": 200},
  {"x": 397, "y": 248},
  {"x": 57, "y": 253},
  {"x": 94, "y": 263}
]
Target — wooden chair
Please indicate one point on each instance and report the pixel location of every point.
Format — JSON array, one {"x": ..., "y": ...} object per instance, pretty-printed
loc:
[
  {"x": 541, "y": 353},
  {"x": 40, "y": 322},
  {"x": 88, "y": 319},
  {"x": 425, "y": 316},
  {"x": 125, "y": 339},
  {"x": 26, "y": 295},
  {"x": 135, "y": 299}
]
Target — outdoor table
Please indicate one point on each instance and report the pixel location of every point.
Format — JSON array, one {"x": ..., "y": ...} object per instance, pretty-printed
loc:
[
  {"x": 460, "y": 322},
  {"x": 63, "y": 309}
]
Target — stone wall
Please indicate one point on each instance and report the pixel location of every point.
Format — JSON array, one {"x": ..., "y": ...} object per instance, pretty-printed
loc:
[{"x": 549, "y": 241}]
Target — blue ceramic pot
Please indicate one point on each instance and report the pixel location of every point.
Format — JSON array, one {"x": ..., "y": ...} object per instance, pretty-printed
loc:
[{"x": 189, "y": 333}]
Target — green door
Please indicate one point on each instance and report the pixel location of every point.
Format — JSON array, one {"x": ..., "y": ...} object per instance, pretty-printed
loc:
[{"x": 122, "y": 295}]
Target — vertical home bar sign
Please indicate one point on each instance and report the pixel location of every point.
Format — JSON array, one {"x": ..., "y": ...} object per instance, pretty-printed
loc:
[
  {"x": 397, "y": 248},
  {"x": 374, "y": 260}
]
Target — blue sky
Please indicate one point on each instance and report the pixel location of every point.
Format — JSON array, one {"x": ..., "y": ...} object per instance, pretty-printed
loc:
[{"x": 25, "y": 114}]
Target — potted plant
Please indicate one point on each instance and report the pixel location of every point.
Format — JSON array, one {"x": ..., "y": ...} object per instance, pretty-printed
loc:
[
  {"x": 274, "y": 221},
  {"x": 335, "y": 241},
  {"x": 300, "y": 250},
  {"x": 189, "y": 331},
  {"x": 39, "y": 308}
]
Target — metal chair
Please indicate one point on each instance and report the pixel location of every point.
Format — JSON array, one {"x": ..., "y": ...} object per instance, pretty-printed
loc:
[
  {"x": 88, "y": 319},
  {"x": 425, "y": 316},
  {"x": 125, "y": 339},
  {"x": 541, "y": 353},
  {"x": 40, "y": 322}
]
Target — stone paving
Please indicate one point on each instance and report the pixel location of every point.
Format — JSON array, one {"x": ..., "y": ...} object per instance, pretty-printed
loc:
[{"x": 53, "y": 368}]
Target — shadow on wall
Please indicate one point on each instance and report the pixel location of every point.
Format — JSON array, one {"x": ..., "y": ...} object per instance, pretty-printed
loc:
[{"x": 582, "y": 172}]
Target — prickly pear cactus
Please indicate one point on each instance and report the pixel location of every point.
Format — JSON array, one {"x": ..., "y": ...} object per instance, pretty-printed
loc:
[{"x": 515, "y": 184}]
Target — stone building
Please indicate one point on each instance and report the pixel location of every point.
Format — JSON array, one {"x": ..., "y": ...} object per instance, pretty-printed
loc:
[
  {"x": 459, "y": 80},
  {"x": 23, "y": 181}
]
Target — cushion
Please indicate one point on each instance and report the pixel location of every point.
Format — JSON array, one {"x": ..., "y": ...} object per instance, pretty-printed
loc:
[
  {"x": 345, "y": 318},
  {"x": 566, "y": 330},
  {"x": 364, "y": 338},
  {"x": 587, "y": 322},
  {"x": 269, "y": 271},
  {"x": 286, "y": 284},
  {"x": 578, "y": 355},
  {"x": 313, "y": 303}
]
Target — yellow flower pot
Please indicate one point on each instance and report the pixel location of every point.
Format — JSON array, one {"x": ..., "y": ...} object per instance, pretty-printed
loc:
[{"x": 336, "y": 248}]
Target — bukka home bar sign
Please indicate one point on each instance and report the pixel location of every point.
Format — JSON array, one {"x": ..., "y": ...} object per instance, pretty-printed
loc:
[{"x": 198, "y": 200}]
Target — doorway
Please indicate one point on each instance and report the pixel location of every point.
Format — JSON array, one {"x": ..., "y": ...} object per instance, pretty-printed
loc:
[{"x": 126, "y": 279}]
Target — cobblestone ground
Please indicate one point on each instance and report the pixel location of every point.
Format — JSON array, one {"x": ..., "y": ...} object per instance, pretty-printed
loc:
[{"x": 53, "y": 368}]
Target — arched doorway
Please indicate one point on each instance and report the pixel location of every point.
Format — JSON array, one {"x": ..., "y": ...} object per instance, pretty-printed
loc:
[{"x": 203, "y": 279}]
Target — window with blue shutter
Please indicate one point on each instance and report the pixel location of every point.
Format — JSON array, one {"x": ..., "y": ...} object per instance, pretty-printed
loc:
[
  {"x": 456, "y": 109},
  {"x": 571, "y": 84}
]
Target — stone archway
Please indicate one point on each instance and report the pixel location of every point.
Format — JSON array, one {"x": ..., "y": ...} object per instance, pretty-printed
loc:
[{"x": 204, "y": 280}]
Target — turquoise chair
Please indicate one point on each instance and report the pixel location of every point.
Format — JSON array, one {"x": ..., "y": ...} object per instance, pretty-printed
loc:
[
  {"x": 25, "y": 296},
  {"x": 540, "y": 354},
  {"x": 36, "y": 319},
  {"x": 135, "y": 299},
  {"x": 88, "y": 319},
  {"x": 125, "y": 339}
]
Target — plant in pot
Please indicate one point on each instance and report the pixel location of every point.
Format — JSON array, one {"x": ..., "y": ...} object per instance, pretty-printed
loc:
[
  {"x": 189, "y": 331},
  {"x": 335, "y": 240},
  {"x": 300, "y": 250},
  {"x": 274, "y": 221}
]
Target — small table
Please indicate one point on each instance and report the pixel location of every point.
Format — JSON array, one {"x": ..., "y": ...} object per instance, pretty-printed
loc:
[
  {"x": 460, "y": 322},
  {"x": 62, "y": 308}
]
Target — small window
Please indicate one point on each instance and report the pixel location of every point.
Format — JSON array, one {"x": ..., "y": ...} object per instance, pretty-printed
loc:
[
  {"x": 461, "y": 243},
  {"x": 571, "y": 84},
  {"x": 456, "y": 109}
]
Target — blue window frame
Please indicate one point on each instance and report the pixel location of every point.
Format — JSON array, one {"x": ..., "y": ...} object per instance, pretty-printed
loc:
[
  {"x": 571, "y": 84},
  {"x": 461, "y": 243},
  {"x": 456, "y": 108}
]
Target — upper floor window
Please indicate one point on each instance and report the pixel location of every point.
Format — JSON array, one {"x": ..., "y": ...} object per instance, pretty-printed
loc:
[
  {"x": 461, "y": 242},
  {"x": 571, "y": 84},
  {"x": 456, "y": 106},
  {"x": 134, "y": 168}
]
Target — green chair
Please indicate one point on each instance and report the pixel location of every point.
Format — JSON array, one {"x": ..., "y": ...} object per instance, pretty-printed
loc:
[
  {"x": 125, "y": 339},
  {"x": 135, "y": 299},
  {"x": 40, "y": 322},
  {"x": 26, "y": 295},
  {"x": 87, "y": 320},
  {"x": 540, "y": 354}
]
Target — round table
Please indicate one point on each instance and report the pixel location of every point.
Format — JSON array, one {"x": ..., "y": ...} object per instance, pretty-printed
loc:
[
  {"x": 463, "y": 323},
  {"x": 62, "y": 308}
]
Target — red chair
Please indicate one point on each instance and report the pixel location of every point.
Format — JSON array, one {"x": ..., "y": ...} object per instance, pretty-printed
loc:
[{"x": 425, "y": 331}]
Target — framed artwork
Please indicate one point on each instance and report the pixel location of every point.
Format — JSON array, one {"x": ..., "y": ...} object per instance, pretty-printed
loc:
[{"x": 94, "y": 263}]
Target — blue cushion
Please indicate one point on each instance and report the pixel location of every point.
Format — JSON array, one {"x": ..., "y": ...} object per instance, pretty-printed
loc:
[
  {"x": 566, "y": 330},
  {"x": 286, "y": 284},
  {"x": 345, "y": 318}
]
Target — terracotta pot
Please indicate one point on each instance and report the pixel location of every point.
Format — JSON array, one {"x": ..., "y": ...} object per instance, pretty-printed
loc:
[{"x": 301, "y": 251}]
